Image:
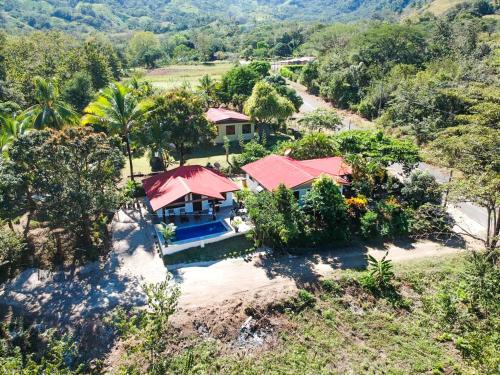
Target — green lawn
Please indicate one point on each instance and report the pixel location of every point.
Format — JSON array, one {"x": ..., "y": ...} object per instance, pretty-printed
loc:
[
  {"x": 230, "y": 248},
  {"x": 176, "y": 75}
]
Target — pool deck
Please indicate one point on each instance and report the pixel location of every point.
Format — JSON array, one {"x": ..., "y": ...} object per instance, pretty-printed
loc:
[{"x": 223, "y": 215}]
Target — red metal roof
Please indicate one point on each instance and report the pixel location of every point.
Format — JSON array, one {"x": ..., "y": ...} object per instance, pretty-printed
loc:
[
  {"x": 218, "y": 115},
  {"x": 167, "y": 187},
  {"x": 274, "y": 170}
]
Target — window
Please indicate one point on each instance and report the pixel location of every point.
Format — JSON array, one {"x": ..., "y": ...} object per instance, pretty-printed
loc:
[
  {"x": 247, "y": 128},
  {"x": 230, "y": 130},
  {"x": 296, "y": 194}
]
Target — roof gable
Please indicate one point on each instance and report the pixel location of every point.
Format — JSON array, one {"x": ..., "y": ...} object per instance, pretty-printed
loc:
[
  {"x": 274, "y": 170},
  {"x": 222, "y": 115},
  {"x": 169, "y": 186}
]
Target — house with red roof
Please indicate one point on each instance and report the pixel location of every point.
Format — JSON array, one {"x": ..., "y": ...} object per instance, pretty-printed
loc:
[
  {"x": 188, "y": 189},
  {"x": 298, "y": 175},
  {"x": 232, "y": 124}
]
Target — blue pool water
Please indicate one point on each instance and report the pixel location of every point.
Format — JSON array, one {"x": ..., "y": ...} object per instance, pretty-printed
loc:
[{"x": 197, "y": 231}]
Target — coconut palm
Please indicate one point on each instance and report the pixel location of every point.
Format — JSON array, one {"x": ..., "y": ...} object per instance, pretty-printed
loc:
[
  {"x": 49, "y": 111},
  {"x": 10, "y": 129},
  {"x": 117, "y": 108}
]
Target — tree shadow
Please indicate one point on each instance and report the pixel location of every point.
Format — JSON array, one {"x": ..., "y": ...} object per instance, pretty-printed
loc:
[{"x": 305, "y": 269}]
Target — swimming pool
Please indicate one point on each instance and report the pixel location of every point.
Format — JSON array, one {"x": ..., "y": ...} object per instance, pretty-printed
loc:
[{"x": 197, "y": 232}]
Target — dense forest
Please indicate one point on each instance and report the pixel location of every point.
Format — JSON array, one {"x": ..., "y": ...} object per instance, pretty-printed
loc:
[{"x": 170, "y": 15}]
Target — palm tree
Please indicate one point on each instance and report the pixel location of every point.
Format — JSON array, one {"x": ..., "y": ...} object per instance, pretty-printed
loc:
[
  {"x": 49, "y": 110},
  {"x": 119, "y": 110},
  {"x": 10, "y": 130}
]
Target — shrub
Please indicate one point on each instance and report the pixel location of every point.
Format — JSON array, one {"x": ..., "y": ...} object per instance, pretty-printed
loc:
[
  {"x": 133, "y": 189},
  {"x": 331, "y": 286},
  {"x": 429, "y": 219},
  {"x": 12, "y": 249},
  {"x": 369, "y": 225},
  {"x": 252, "y": 151},
  {"x": 421, "y": 188},
  {"x": 306, "y": 297},
  {"x": 381, "y": 270}
]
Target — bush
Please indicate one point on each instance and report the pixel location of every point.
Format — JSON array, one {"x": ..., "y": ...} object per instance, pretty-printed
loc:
[
  {"x": 429, "y": 219},
  {"x": 252, "y": 151},
  {"x": 331, "y": 286},
  {"x": 12, "y": 250},
  {"x": 306, "y": 297},
  {"x": 421, "y": 188},
  {"x": 369, "y": 225},
  {"x": 133, "y": 189}
]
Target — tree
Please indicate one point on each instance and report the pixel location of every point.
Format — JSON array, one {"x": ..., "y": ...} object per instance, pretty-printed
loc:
[
  {"x": 50, "y": 111},
  {"x": 78, "y": 91},
  {"x": 430, "y": 220},
  {"x": 119, "y": 111},
  {"x": 162, "y": 300},
  {"x": 77, "y": 174},
  {"x": 311, "y": 146},
  {"x": 262, "y": 68},
  {"x": 144, "y": 49},
  {"x": 183, "y": 117},
  {"x": 236, "y": 86},
  {"x": 473, "y": 150},
  {"x": 265, "y": 106},
  {"x": 326, "y": 211},
  {"x": 279, "y": 83},
  {"x": 420, "y": 188},
  {"x": 207, "y": 87},
  {"x": 10, "y": 129},
  {"x": 321, "y": 119},
  {"x": 252, "y": 151}
]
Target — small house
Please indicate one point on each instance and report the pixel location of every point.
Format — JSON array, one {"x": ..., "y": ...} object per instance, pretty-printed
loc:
[
  {"x": 189, "y": 189},
  {"x": 298, "y": 175},
  {"x": 232, "y": 124}
]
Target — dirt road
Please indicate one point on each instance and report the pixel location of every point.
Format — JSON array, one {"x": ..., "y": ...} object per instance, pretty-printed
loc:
[{"x": 217, "y": 282}]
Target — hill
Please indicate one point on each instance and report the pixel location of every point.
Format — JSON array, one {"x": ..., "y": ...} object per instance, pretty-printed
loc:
[{"x": 172, "y": 15}]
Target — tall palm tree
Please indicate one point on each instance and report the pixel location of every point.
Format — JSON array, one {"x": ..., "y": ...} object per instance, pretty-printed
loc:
[
  {"x": 49, "y": 111},
  {"x": 10, "y": 129},
  {"x": 119, "y": 110}
]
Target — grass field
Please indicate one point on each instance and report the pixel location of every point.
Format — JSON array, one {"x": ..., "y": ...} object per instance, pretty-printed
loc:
[{"x": 177, "y": 75}]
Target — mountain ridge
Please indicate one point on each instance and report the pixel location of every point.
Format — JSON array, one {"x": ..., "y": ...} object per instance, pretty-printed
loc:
[{"x": 174, "y": 15}]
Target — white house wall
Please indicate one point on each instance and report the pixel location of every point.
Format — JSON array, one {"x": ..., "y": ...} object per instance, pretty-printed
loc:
[{"x": 221, "y": 132}]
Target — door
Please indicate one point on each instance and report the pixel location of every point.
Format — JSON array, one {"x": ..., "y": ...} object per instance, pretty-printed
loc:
[{"x": 197, "y": 203}]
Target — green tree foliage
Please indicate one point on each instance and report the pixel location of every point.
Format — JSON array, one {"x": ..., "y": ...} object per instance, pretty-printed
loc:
[
  {"x": 378, "y": 147},
  {"x": 473, "y": 150},
  {"x": 420, "y": 188},
  {"x": 78, "y": 91},
  {"x": 118, "y": 109},
  {"x": 262, "y": 68},
  {"x": 284, "y": 90},
  {"x": 55, "y": 57},
  {"x": 50, "y": 111},
  {"x": 75, "y": 171},
  {"x": 326, "y": 211},
  {"x": 320, "y": 120},
  {"x": 311, "y": 146},
  {"x": 144, "y": 49},
  {"x": 237, "y": 85},
  {"x": 252, "y": 151},
  {"x": 266, "y": 107},
  {"x": 12, "y": 250},
  {"x": 10, "y": 129},
  {"x": 182, "y": 115},
  {"x": 276, "y": 218},
  {"x": 429, "y": 220}
]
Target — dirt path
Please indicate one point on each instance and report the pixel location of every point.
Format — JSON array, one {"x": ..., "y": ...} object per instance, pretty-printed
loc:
[
  {"x": 64, "y": 298},
  {"x": 237, "y": 279}
]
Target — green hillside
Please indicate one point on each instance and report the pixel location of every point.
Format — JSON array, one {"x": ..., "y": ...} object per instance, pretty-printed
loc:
[{"x": 170, "y": 15}]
